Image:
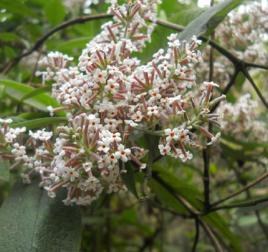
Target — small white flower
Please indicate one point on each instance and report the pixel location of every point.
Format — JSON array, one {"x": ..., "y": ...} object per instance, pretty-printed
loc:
[
  {"x": 164, "y": 149},
  {"x": 122, "y": 153},
  {"x": 41, "y": 135},
  {"x": 152, "y": 111},
  {"x": 50, "y": 110}
]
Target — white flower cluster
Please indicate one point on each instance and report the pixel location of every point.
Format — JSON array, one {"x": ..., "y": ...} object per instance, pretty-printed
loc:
[
  {"x": 241, "y": 120},
  {"x": 243, "y": 33},
  {"x": 111, "y": 96}
]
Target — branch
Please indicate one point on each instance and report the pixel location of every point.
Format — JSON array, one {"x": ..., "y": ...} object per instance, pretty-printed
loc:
[
  {"x": 212, "y": 237},
  {"x": 256, "y": 66},
  {"x": 239, "y": 205},
  {"x": 170, "y": 25},
  {"x": 243, "y": 182},
  {"x": 206, "y": 150},
  {"x": 196, "y": 239},
  {"x": 148, "y": 241},
  {"x": 206, "y": 179},
  {"x": 226, "y": 89},
  {"x": 194, "y": 212},
  {"x": 191, "y": 209},
  {"x": 247, "y": 75},
  {"x": 39, "y": 43},
  {"x": 253, "y": 183}
]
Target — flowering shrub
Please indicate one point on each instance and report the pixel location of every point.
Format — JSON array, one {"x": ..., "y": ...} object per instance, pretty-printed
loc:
[
  {"x": 106, "y": 129},
  {"x": 109, "y": 96}
]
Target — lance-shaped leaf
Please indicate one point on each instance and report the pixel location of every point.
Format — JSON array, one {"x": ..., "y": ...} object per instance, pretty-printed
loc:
[
  {"x": 39, "y": 122},
  {"x": 19, "y": 91},
  {"x": 209, "y": 19},
  {"x": 30, "y": 222}
]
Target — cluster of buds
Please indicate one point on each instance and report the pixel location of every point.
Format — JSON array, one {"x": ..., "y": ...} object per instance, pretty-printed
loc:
[
  {"x": 110, "y": 97},
  {"x": 241, "y": 120}
]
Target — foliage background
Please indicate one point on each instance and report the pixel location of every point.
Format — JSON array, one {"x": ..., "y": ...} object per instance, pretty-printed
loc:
[{"x": 138, "y": 221}]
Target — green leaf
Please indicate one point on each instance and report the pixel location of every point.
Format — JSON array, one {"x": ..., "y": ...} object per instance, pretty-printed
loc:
[
  {"x": 219, "y": 224},
  {"x": 8, "y": 36},
  {"x": 55, "y": 11},
  {"x": 166, "y": 198},
  {"x": 70, "y": 45},
  {"x": 209, "y": 19},
  {"x": 4, "y": 171},
  {"x": 39, "y": 123},
  {"x": 17, "y": 7},
  {"x": 35, "y": 92},
  {"x": 183, "y": 188},
  {"x": 30, "y": 222},
  {"x": 177, "y": 12},
  {"x": 17, "y": 91},
  {"x": 247, "y": 145}
]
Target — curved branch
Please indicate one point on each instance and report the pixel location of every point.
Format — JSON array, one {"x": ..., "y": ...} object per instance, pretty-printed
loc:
[{"x": 39, "y": 43}]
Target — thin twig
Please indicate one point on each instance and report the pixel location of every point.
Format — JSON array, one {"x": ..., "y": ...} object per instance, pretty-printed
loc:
[
  {"x": 261, "y": 224},
  {"x": 238, "y": 205},
  {"x": 247, "y": 75},
  {"x": 196, "y": 239},
  {"x": 206, "y": 179},
  {"x": 257, "y": 66},
  {"x": 243, "y": 182},
  {"x": 226, "y": 89},
  {"x": 253, "y": 183},
  {"x": 170, "y": 25}
]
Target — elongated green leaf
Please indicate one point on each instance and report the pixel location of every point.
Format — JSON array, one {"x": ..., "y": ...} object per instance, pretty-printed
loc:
[
  {"x": 166, "y": 198},
  {"x": 247, "y": 145},
  {"x": 31, "y": 222},
  {"x": 208, "y": 20},
  {"x": 18, "y": 90},
  {"x": 39, "y": 123},
  {"x": 187, "y": 190},
  {"x": 29, "y": 116},
  {"x": 219, "y": 224},
  {"x": 35, "y": 92}
]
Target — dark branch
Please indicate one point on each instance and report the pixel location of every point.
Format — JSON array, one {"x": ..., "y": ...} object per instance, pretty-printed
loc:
[
  {"x": 226, "y": 89},
  {"x": 239, "y": 205},
  {"x": 256, "y": 66},
  {"x": 247, "y": 75},
  {"x": 39, "y": 43},
  {"x": 206, "y": 179},
  {"x": 196, "y": 239}
]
